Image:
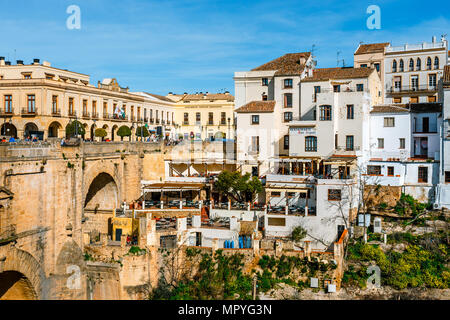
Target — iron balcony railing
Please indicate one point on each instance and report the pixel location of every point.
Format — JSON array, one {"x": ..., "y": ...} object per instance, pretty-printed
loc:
[{"x": 412, "y": 88}]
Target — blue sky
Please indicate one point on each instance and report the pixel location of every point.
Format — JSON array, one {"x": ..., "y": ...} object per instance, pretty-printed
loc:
[{"x": 192, "y": 46}]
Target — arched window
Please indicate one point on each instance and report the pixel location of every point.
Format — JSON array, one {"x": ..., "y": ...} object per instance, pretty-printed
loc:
[
  {"x": 436, "y": 63},
  {"x": 401, "y": 66},
  {"x": 394, "y": 66},
  {"x": 428, "y": 63},
  {"x": 418, "y": 64},
  {"x": 411, "y": 65},
  {"x": 311, "y": 144}
]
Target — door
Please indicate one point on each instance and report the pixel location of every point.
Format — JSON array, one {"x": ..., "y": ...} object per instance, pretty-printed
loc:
[
  {"x": 425, "y": 124},
  {"x": 198, "y": 239},
  {"x": 341, "y": 229},
  {"x": 118, "y": 234}
]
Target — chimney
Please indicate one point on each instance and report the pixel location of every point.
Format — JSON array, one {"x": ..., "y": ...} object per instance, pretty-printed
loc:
[
  {"x": 20, "y": 62},
  {"x": 36, "y": 61},
  {"x": 2, "y": 61},
  {"x": 433, "y": 39},
  {"x": 7, "y": 63}
]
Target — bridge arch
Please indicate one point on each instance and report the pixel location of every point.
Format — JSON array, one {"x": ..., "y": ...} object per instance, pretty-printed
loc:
[
  {"x": 102, "y": 192},
  {"x": 21, "y": 275}
]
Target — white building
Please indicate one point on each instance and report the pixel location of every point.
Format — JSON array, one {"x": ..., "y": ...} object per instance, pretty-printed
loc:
[
  {"x": 267, "y": 99},
  {"x": 443, "y": 188},
  {"x": 404, "y": 152},
  {"x": 412, "y": 72}
]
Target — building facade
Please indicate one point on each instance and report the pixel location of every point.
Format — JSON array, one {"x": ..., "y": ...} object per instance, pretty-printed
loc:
[{"x": 40, "y": 100}]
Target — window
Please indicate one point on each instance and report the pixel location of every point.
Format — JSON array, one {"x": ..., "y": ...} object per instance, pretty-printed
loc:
[
  {"x": 311, "y": 144},
  {"x": 286, "y": 142},
  {"x": 223, "y": 118},
  {"x": 360, "y": 87},
  {"x": 264, "y": 97},
  {"x": 349, "y": 143},
  {"x": 54, "y": 104},
  {"x": 8, "y": 103},
  {"x": 198, "y": 117},
  {"x": 255, "y": 144},
  {"x": 105, "y": 108},
  {"x": 255, "y": 119},
  {"x": 447, "y": 176},
  {"x": 364, "y": 65},
  {"x": 265, "y": 81},
  {"x": 414, "y": 99},
  {"x": 390, "y": 171},
  {"x": 186, "y": 118},
  {"x": 337, "y": 88},
  {"x": 402, "y": 143},
  {"x": 377, "y": 66},
  {"x": 389, "y": 122},
  {"x": 336, "y": 141},
  {"x": 380, "y": 143},
  {"x": 436, "y": 63},
  {"x": 432, "y": 81},
  {"x": 418, "y": 64},
  {"x": 27, "y": 75},
  {"x": 71, "y": 111},
  {"x": 428, "y": 63},
  {"x": 287, "y": 116},
  {"x": 84, "y": 107},
  {"x": 423, "y": 174},
  {"x": 431, "y": 98},
  {"x": 411, "y": 65},
  {"x": 394, "y": 66},
  {"x": 287, "y": 83},
  {"x": 94, "y": 107},
  {"x": 316, "y": 91},
  {"x": 401, "y": 66},
  {"x": 275, "y": 194},
  {"x": 397, "y": 83},
  {"x": 415, "y": 83},
  {"x": 398, "y": 100},
  {"x": 350, "y": 111},
  {"x": 334, "y": 195},
  {"x": 31, "y": 103},
  {"x": 374, "y": 170},
  {"x": 210, "y": 118},
  {"x": 288, "y": 100},
  {"x": 325, "y": 113}
]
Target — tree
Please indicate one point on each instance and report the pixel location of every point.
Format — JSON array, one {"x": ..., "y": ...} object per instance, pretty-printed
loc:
[
  {"x": 298, "y": 233},
  {"x": 124, "y": 131},
  {"x": 142, "y": 132},
  {"x": 75, "y": 128},
  {"x": 100, "y": 133},
  {"x": 240, "y": 187}
]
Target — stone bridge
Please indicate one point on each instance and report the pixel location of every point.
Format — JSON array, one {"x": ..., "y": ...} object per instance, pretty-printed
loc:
[{"x": 48, "y": 195}]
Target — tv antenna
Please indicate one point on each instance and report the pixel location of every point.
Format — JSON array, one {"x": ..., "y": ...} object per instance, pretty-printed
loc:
[{"x": 339, "y": 60}]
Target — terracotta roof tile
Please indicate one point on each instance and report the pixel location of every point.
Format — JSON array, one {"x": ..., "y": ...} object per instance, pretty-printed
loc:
[
  {"x": 390, "y": 109},
  {"x": 209, "y": 96},
  {"x": 257, "y": 106},
  {"x": 157, "y": 96},
  {"x": 371, "y": 48},
  {"x": 325, "y": 74},
  {"x": 289, "y": 64}
]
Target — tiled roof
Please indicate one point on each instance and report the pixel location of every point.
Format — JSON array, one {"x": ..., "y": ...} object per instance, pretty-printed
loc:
[
  {"x": 289, "y": 64},
  {"x": 390, "y": 109},
  {"x": 446, "y": 77},
  {"x": 157, "y": 96},
  {"x": 257, "y": 106},
  {"x": 371, "y": 48},
  {"x": 325, "y": 74},
  {"x": 209, "y": 96}
]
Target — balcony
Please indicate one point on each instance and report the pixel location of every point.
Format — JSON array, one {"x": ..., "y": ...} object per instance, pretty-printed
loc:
[
  {"x": 56, "y": 113},
  {"x": 409, "y": 89},
  {"x": 6, "y": 114},
  {"x": 132, "y": 118},
  {"x": 28, "y": 112},
  {"x": 86, "y": 115},
  {"x": 152, "y": 120},
  {"x": 157, "y": 121},
  {"x": 116, "y": 117},
  {"x": 95, "y": 115},
  {"x": 145, "y": 119},
  {"x": 106, "y": 116},
  {"x": 72, "y": 114}
]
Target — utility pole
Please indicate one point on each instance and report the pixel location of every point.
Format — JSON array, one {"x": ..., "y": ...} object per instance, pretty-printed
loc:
[{"x": 254, "y": 286}]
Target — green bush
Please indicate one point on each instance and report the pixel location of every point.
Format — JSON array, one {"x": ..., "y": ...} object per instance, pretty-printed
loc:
[
  {"x": 124, "y": 131},
  {"x": 142, "y": 132},
  {"x": 298, "y": 234},
  {"x": 75, "y": 127},
  {"x": 100, "y": 133}
]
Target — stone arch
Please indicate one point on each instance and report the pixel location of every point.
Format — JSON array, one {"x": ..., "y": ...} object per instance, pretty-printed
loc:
[
  {"x": 93, "y": 127},
  {"x": 21, "y": 275},
  {"x": 106, "y": 129},
  {"x": 8, "y": 129},
  {"x": 54, "y": 129},
  {"x": 85, "y": 126},
  {"x": 102, "y": 192},
  {"x": 30, "y": 128},
  {"x": 219, "y": 135},
  {"x": 113, "y": 132}
]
